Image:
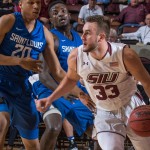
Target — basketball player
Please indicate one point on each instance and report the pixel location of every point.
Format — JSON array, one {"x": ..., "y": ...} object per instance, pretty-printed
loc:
[
  {"x": 22, "y": 39},
  {"x": 74, "y": 111},
  {"x": 106, "y": 69}
]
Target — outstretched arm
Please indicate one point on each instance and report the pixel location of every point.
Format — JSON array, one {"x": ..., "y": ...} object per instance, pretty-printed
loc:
[
  {"x": 53, "y": 64},
  {"x": 67, "y": 84},
  {"x": 64, "y": 87},
  {"x": 51, "y": 59},
  {"x": 139, "y": 72}
]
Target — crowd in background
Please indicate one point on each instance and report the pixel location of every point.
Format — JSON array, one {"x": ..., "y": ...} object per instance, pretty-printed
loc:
[{"x": 127, "y": 13}]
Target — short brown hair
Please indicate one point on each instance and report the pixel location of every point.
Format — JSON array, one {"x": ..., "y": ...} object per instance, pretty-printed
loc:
[{"x": 102, "y": 22}]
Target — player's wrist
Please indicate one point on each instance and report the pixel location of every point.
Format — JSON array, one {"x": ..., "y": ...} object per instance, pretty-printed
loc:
[
  {"x": 50, "y": 99},
  {"x": 17, "y": 61}
]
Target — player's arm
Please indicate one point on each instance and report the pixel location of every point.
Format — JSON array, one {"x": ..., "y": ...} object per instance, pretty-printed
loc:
[
  {"x": 45, "y": 76},
  {"x": 67, "y": 84},
  {"x": 6, "y": 23},
  {"x": 53, "y": 63},
  {"x": 134, "y": 65},
  {"x": 51, "y": 59}
]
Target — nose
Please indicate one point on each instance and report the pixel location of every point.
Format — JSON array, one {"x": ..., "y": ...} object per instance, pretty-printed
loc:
[
  {"x": 36, "y": 5},
  {"x": 61, "y": 13},
  {"x": 83, "y": 36}
]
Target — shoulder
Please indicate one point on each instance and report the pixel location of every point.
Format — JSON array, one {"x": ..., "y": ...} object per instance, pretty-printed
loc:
[
  {"x": 7, "y": 22},
  {"x": 47, "y": 33},
  {"x": 117, "y": 46},
  {"x": 6, "y": 18},
  {"x": 84, "y": 7},
  {"x": 126, "y": 9},
  {"x": 97, "y": 7},
  {"x": 73, "y": 55},
  {"x": 129, "y": 54},
  {"x": 142, "y": 28}
]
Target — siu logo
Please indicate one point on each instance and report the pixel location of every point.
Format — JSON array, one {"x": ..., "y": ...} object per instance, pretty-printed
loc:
[{"x": 99, "y": 78}]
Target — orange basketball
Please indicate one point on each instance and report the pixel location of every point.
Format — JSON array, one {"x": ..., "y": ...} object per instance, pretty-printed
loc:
[{"x": 139, "y": 120}]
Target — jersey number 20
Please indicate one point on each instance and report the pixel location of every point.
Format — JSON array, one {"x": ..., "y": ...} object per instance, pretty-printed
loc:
[{"x": 22, "y": 51}]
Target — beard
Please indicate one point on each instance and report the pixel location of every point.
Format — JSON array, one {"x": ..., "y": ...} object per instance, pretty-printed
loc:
[{"x": 90, "y": 48}]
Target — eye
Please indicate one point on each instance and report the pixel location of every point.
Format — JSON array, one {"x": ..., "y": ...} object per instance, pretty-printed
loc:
[
  {"x": 64, "y": 11},
  {"x": 55, "y": 12},
  {"x": 31, "y": 3}
]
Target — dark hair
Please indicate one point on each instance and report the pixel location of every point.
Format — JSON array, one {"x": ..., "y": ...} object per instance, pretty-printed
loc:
[
  {"x": 54, "y": 2},
  {"x": 103, "y": 23}
]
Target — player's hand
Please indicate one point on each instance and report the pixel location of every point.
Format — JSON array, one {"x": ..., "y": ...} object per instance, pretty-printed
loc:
[
  {"x": 42, "y": 104},
  {"x": 86, "y": 100},
  {"x": 31, "y": 64}
]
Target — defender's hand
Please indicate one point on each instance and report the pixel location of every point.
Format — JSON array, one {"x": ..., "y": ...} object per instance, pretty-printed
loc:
[
  {"x": 31, "y": 64},
  {"x": 86, "y": 100}
]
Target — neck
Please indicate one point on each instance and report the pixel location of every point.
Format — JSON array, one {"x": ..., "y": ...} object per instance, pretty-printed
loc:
[
  {"x": 100, "y": 51},
  {"x": 65, "y": 31},
  {"x": 27, "y": 20}
]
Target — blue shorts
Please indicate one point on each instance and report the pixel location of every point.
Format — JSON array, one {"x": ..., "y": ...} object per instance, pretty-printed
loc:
[
  {"x": 74, "y": 111},
  {"x": 16, "y": 99}
]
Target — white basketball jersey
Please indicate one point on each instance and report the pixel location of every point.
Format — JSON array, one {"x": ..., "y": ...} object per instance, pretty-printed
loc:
[{"x": 107, "y": 81}]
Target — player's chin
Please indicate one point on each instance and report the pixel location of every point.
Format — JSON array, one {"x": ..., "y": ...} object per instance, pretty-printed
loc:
[
  {"x": 35, "y": 15},
  {"x": 62, "y": 24},
  {"x": 85, "y": 49}
]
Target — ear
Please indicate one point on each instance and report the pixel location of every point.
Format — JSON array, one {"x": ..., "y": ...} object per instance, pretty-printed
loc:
[
  {"x": 102, "y": 35},
  {"x": 20, "y": 4},
  {"x": 69, "y": 16},
  {"x": 51, "y": 20},
  {"x": 99, "y": 38}
]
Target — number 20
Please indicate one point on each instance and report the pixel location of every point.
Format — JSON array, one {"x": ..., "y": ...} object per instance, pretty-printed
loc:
[{"x": 23, "y": 50}]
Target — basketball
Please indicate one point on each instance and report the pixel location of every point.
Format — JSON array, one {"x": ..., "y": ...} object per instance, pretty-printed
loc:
[{"x": 139, "y": 120}]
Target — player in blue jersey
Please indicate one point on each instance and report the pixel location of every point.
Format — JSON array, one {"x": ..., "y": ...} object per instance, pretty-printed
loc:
[
  {"x": 22, "y": 39},
  {"x": 75, "y": 112}
]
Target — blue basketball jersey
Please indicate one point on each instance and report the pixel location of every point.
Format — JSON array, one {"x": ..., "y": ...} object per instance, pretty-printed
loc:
[
  {"x": 20, "y": 43},
  {"x": 66, "y": 45}
]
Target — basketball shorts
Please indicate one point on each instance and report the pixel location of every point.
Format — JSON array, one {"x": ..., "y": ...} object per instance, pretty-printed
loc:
[
  {"x": 16, "y": 99},
  {"x": 74, "y": 111},
  {"x": 117, "y": 122}
]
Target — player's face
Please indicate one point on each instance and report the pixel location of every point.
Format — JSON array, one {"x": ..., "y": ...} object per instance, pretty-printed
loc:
[
  {"x": 134, "y": 2},
  {"x": 30, "y": 8},
  {"x": 90, "y": 37},
  {"x": 147, "y": 20},
  {"x": 92, "y": 4},
  {"x": 59, "y": 15}
]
